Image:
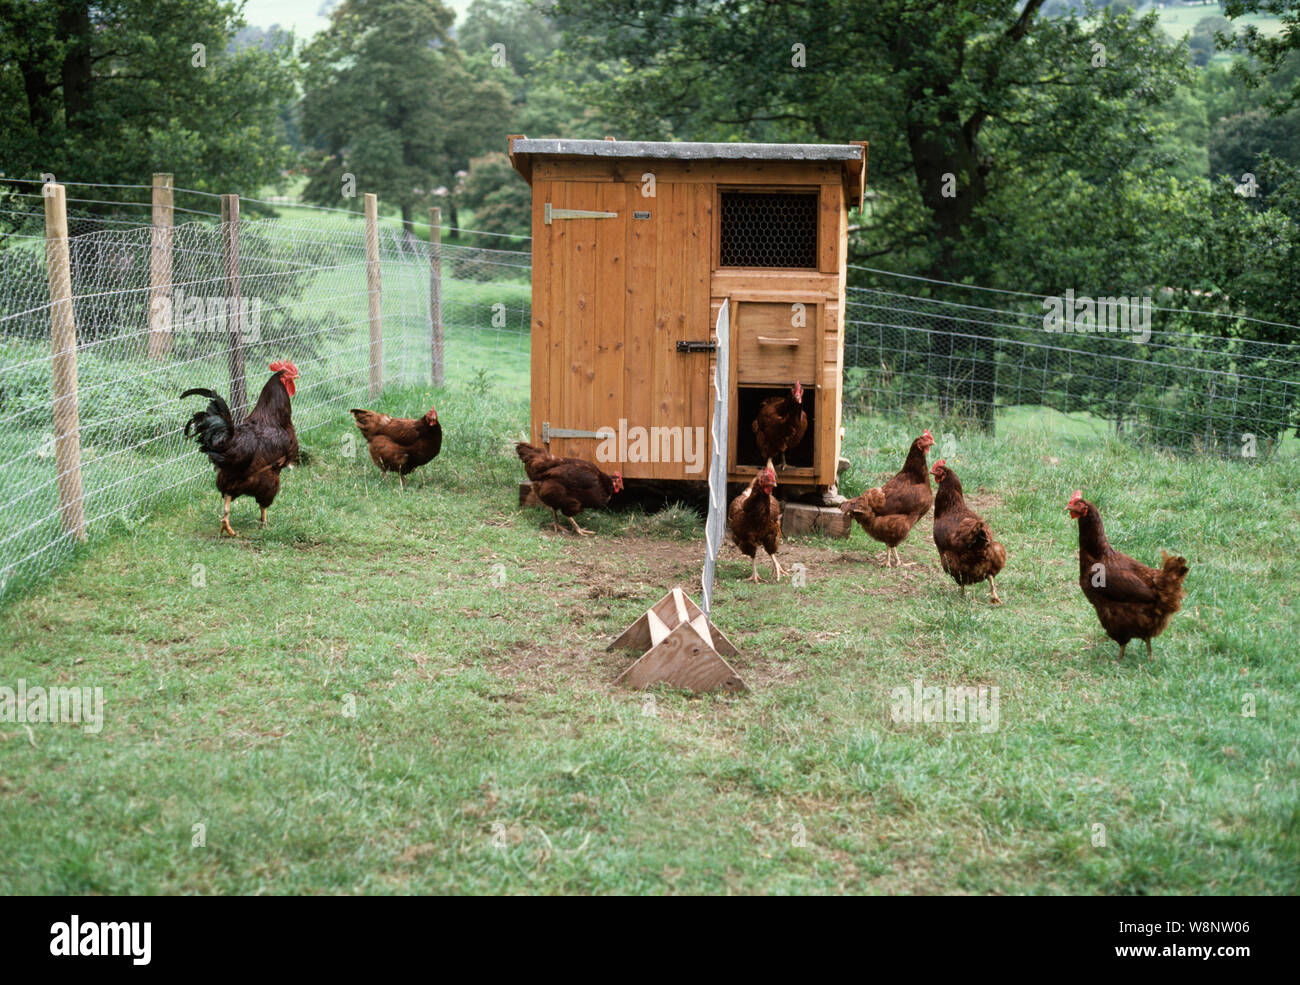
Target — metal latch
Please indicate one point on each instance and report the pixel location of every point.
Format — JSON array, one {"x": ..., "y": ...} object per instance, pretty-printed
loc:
[
  {"x": 552, "y": 213},
  {"x": 683, "y": 346},
  {"x": 549, "y": 432}
]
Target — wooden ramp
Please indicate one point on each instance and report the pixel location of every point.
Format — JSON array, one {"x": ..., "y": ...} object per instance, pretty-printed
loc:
[{"x": 680, "y": 647}]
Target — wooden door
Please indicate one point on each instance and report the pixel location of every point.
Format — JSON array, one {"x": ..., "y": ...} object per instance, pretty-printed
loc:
[
  {"x": 579, "y": 327},
  {"x": 615, "y": 297},
  {"x": 667, "y": 390}
]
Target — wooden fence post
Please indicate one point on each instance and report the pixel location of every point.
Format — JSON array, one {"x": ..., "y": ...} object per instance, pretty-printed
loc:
[
  {"x": 372, "y": 284},
  {"x": 63, "y": 349},
  {"x": 234, "y": 329},
  {"x": 160, "y": 268},
  {"x": 435, "y": 293}
]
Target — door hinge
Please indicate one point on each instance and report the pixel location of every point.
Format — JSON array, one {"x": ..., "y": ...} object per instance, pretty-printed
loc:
[
  {"x": 683, "y": 346},
  {"x": 554, "y": 213},
  {"x": 549, "y": 432}
]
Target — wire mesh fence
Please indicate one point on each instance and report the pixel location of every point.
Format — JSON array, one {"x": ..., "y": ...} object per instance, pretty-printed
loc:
[
  {"x": 916, "y": 348},
  {"x": 1149, "y": 373},
  {"x": 303, "y": 295}
]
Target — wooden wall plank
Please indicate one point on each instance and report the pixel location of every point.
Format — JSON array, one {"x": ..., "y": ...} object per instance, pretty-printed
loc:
[
  {"x": 608, "y": 312},
  {"x": 829, "y": 210},
  {"x": 670, "y": 313},
  {"x": 580, "y": 336},
  {"x": 640, "y": 319},
  {"x": 540, "y": 343},
  {"x": 698, "y": 324},
  {"x": 561, "y": 264}
]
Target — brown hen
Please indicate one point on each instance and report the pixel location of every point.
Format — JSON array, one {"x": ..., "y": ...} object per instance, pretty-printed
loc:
[{"x": 888, "y": 513}]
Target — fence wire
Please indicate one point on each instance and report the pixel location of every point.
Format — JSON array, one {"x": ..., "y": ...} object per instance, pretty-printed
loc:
[
  {"x": 1155, "y": 379},
  {"x": 304, "y": 297},
  {"x": 913, "y": 348}
]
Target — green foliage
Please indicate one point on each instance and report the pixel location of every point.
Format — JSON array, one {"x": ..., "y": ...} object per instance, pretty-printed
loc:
[
  {"x": 392, "y": 102},
  {"x": 114, "y": 91},
  {"x": 500, "y": 198},
  {"x": 1202, "y": 41},
  {"x": 1270, "y": 51}
]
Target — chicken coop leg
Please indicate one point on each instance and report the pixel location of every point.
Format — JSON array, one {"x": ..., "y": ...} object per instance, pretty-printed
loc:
[
  {"x": 776, "y": 565},
  {"x": 754, "y": 577},
  {"x": 993, "y": 599},
  {"x": 582, "y": 532},
  {"x": 226, "y": 528}
]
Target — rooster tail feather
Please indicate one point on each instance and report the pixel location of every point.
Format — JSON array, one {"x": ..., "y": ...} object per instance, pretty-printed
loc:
[{"x": 212, "y": 426}]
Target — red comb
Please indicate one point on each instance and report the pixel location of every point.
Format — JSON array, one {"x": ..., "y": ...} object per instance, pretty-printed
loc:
[
  {"x": 926, "y": 434},
  {"x": 283, "y": 364},
  {"x": 938, "y": 463},
  {"x": 1077, "y": 494}
]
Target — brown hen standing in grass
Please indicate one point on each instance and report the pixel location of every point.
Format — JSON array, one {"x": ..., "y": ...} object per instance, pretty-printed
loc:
[
  {"x": 888, "y": 513},
  {"x": 967, "y": 549},
  {"x": 755, "y": 518},
  {"x": 564, "y": 485},
  {"x": 1132, "y": 600},
  {"x": 400, "y": 444}
]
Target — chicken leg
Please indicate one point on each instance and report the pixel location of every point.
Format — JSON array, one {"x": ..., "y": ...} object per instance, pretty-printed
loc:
[
  {"x": 1150, "y": 655},
  {"x": 582, "y": 532},
  {"x": 263, "y": 516},
  {"x": 993, "y": 599},
  {"x": 776, "y": 565},
  {"x": 226, "y": 528},
  {"x": 754, "y": 577}
]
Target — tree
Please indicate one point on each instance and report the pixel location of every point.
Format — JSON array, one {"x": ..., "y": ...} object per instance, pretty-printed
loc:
[
  {"x": 1202, "y": 40},
  {"x": 391, "y": 101},
  {"x": 113, "y": 90},
  {"x": 1270, "y": 51},
  {"x": 522, "y": 29},
  {"x": 975, "y": 109},
  {"x": 500, "y": 198}
]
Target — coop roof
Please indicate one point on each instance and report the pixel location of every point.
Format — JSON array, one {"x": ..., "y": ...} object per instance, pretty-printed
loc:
[{"x": 852, "y": 156}]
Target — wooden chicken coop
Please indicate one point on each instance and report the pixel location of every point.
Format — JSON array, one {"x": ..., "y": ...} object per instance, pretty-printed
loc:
[{"x": 636, "y": 246}]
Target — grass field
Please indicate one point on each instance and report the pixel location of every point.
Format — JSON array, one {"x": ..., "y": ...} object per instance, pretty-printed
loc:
[
  {"x": 1178, "y": 21},
  {"x": 489, "y": 751}
]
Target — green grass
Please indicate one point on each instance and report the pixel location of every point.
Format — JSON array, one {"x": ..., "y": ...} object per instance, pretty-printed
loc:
[
  {"x": 130, "y": 417},
  {"x": 1179, "y": 21},
  {"x": 490, "y": 751}
]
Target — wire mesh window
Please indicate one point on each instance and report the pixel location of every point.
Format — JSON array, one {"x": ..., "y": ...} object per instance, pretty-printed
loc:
[{"x": 768, "y": 229}]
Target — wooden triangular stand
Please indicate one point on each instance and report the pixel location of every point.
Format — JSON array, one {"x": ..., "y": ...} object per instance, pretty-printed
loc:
[{"x": 681, "y": 647}]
